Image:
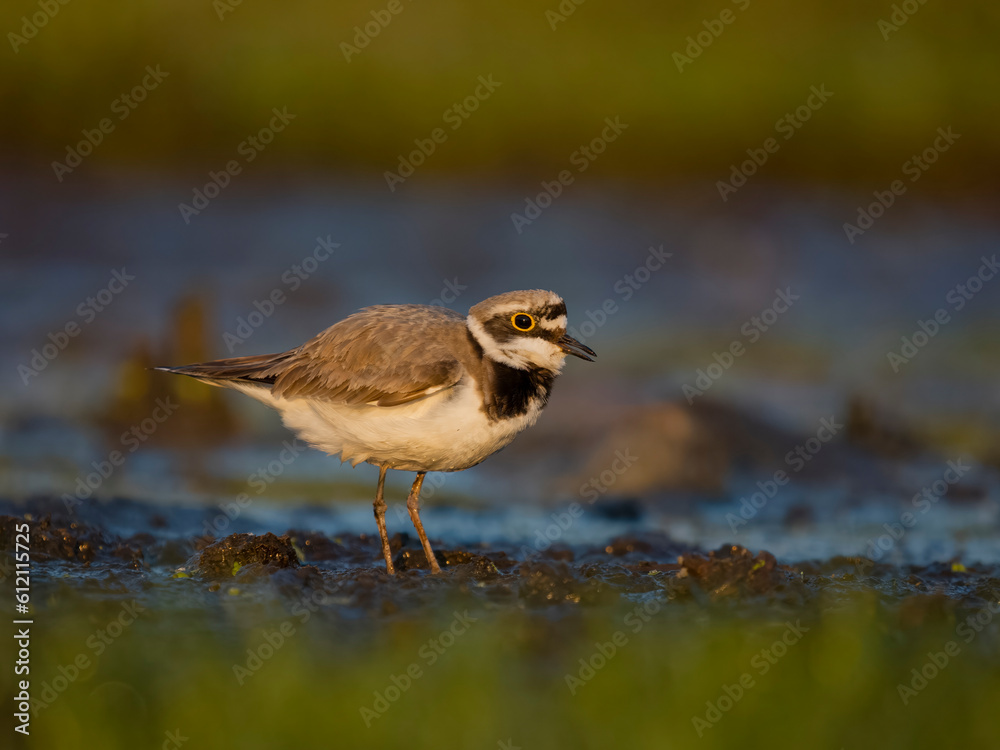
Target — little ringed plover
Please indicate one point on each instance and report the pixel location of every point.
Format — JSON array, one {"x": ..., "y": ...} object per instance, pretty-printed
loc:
[{"x": 413, "y": 387}]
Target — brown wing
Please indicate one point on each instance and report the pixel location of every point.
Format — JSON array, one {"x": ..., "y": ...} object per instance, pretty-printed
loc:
[{"x": 387, "y": 354}]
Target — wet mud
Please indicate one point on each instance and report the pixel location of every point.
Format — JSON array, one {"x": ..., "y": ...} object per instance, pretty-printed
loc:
[{"x": 343, "y": 577}]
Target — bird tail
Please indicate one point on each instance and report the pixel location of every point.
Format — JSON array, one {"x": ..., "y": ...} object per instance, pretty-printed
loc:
[{"x": 259, "y": 369}]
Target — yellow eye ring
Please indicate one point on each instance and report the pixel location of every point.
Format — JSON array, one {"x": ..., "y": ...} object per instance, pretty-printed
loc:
[{"x": 517, "y": 320}]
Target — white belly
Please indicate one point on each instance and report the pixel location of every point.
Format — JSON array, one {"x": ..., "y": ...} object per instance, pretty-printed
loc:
[{"x": 447, "y": 431}]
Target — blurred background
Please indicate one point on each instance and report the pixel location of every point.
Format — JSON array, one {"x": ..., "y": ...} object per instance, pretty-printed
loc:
[
  {"x": 672, "y": 174},
  {"x": 775, "y": 223}
]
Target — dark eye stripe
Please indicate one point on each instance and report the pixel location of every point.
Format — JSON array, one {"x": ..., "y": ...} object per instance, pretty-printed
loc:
[{"x": 551, "y": 312}]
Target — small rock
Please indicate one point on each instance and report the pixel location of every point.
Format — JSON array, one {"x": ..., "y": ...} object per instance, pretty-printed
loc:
[
  {"x": 224, "y": 558},
  {"x": 732, "y": 570}
]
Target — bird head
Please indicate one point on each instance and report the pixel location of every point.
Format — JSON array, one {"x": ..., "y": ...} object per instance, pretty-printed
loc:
[{"x": 525, "y": 330}]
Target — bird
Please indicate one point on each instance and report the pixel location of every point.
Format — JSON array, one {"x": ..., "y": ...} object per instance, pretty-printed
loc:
[{"x": 413, "y": 387}]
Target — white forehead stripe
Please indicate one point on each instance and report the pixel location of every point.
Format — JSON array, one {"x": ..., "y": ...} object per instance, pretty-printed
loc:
[
  {"x": 511, "y": 309},
  {"x": 556, "y": 324}
]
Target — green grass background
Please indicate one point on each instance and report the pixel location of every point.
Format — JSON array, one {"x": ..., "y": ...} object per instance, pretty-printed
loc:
[
  {"x": 505, "y": 679},
  {"x": 558, "y": 85}
]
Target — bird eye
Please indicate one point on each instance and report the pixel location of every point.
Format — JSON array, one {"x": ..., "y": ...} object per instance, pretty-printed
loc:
[{"x": 522, "y": 321}]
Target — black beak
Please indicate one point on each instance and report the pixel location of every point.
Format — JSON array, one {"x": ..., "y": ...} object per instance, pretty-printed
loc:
[{"x": 571, "y": 346}]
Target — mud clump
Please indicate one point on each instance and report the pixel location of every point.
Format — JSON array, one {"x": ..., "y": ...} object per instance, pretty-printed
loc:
[
  {"x": 649, "y": 546},
  {"x": 475, "y": 566},
  {"x": 64, "y": 539},
  {"x": 732, "y": 571},
  {"x": 415, "y": 559},
  {"x": 461, "y": 562},
  {"x": 621, "y": 545},
  {"x": 228, "y": 556},
  {"x": 557, "y": 583}
]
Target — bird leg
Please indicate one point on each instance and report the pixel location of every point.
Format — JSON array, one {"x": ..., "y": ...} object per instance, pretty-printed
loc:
[
  {"x": 380, "y": 519},
  {"x": 413, "y": 505}
]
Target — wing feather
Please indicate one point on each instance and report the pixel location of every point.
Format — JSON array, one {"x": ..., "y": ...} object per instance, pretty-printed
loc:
[{"x": 387, "y": 355}]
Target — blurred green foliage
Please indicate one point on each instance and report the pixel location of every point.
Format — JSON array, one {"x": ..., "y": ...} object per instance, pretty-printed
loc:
[
  {"x": 503, "y": 679},
  {"x": 557, "y": 85}
]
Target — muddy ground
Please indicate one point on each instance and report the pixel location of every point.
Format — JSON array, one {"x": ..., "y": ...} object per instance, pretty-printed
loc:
[
  {"x": 294, "y": 637},
  {"x": 345, "y": 572}
]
